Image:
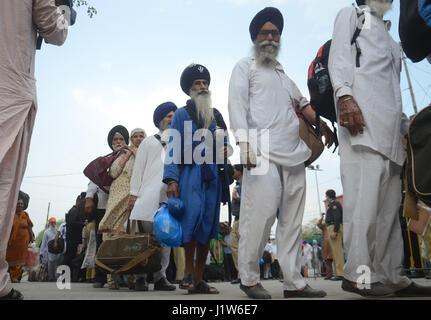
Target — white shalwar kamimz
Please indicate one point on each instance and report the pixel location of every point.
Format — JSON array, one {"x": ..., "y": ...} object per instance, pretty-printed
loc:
[
  {"x": 370, "y": 162},
  {"x": 266, "y": 98},
  {"x": 146, "y": 183}
]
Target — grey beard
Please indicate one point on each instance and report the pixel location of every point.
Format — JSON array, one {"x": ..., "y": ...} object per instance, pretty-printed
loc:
[
  {"x": 203, "y": 106},
  {"x": 378, "y": 7},
  {"x": 164, "y": 125},
  {"x": 266, "y": 52}
]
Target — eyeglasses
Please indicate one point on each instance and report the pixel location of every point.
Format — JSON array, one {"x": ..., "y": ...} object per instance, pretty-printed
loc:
[{"x": 273, "y": 33}]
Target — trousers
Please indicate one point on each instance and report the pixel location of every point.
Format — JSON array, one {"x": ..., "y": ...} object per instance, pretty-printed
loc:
[
  {"x": 280, "y": 188},
  {"x": 337, "y": 249},
  {"x": 372, "y": 232}
]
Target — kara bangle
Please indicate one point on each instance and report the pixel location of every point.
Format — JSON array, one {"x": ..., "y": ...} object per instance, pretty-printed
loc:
[{"x": 346, "y": 99}]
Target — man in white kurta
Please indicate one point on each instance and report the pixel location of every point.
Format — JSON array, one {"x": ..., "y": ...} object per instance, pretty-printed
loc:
[
  {"x": 147, "y": 189},
  {"x": 369, "y": 110},
  {"x": 19, "y": 23},
  {"x": 262, "y": 96}
]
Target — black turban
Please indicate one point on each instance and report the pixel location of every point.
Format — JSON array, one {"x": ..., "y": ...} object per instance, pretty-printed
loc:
[
  {"x": 121, "y": 130},
  {"x": 191, "y": 73},
  {"x": 269, "y": 14},
  {"x": 25, "y": 199}
]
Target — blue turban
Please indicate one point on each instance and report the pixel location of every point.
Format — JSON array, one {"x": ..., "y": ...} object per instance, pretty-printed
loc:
[
  {"x": 269, "y": 14},
  {"x": 192, "y": 73},
  {"x": 121, "y": 130},
  {"x": 162, "y": 111}
]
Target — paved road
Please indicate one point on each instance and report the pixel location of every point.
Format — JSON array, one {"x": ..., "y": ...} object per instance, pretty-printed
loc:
[{"x": 85, "y": 291}]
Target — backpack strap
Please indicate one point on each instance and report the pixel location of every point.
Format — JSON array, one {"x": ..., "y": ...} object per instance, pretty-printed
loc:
[
  {"x": 356, "y": 36},
  {"x": 158, "y": 137}
]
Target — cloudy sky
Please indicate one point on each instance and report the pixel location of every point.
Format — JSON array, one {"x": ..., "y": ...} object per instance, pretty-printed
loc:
[{"x": 118, "y": 66}]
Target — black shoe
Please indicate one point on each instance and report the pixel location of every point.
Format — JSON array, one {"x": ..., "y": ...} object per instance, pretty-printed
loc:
[
  {"x": 13, "y": 295},
  {"x": 327, "y": 278},
  {"x": 307, "y": 292},
  {"x": 414, "y": 290},
  {"x": 141, "y": 284},
  {"x": 258, "y": 292},
  {"x": 164, "y": 285},
  {"x": 376, "y": 289},
  {"x": 98, "y": 285},
  {"x": 235, "y": 281},
  {"x": 337, "y": 278}
]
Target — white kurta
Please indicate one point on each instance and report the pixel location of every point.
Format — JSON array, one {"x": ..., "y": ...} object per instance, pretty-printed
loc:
[
  {"x": 146, "y": 182},
  {"x": 19, "y": 22},
  {"x": 375, "y": 84},
  {"x": 370, "y": 163},
  {"x": 266, "y": 98}
]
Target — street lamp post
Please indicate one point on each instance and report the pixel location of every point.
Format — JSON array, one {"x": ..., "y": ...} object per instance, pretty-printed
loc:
[{"x": 315, "y": 169}]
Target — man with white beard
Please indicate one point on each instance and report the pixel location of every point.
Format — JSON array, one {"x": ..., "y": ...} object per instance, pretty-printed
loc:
[
  {"x": 369, "y": 109},
  {"x": 192, "y": 174},
  {"x": 147, "y": 189},
  {"x": 262, "y": 96}
]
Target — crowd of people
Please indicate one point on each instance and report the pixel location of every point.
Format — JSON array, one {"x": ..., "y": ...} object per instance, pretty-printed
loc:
[{"x": 188, "y": 160}]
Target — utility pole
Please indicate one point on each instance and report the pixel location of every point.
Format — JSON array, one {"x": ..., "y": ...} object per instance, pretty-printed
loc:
[
  {"x": 47, "y": 216},
  {"x": 404, "y": 58},
  {"x": 315, "y": 169}
]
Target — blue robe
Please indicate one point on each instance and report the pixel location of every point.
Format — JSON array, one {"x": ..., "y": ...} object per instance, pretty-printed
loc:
[{"x": 201, "y": 195}]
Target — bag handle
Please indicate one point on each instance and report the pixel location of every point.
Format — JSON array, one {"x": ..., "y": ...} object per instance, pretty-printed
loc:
[{"x": 137, "y": 260}]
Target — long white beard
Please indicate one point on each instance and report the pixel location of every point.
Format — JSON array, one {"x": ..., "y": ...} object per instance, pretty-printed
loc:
[
  {"x": 378, "y": 7},
  {"x": 203, "y": 104},
  {"x": 266, "y": 52}
]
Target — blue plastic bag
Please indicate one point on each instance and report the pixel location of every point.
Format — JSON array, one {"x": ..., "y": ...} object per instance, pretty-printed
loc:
[{"x": 167, "y": 229}]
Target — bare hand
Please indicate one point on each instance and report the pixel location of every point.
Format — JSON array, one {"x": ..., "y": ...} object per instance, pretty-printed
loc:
[
  {"x": 132, "y": 200},
  {"x": 351, "y": 115},
  {"x": 247, "y": 156},
  {"x": 334, "y": 236},
  {"x": 173, "y": 190},
  {"x": 328, "y": 134},
  {"x": 89, "y": 205}
]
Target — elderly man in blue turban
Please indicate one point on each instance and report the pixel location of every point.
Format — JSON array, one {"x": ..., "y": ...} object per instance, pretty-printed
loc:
[
  {"x": 262, "y": 96},
  {"x": 191, "y": 172}
]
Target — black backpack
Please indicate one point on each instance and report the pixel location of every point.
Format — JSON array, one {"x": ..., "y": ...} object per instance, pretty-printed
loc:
[
  {"x": 416, "y": 168},
  {"x": 319, "y": 82},
  {"x": 414, "y": 32}
]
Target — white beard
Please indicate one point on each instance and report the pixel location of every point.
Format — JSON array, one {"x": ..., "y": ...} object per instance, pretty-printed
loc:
[
  {"x": 164, "y": 125},
  {"x": 266, "y": 52},
  {"x": 203, "y": 106},
  {"x": 380, "y": 8}
]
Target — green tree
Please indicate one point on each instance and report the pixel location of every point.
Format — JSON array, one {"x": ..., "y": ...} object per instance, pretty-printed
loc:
[
  {"x": 91, "y": 11},
  {"x": 309, "y": 229}
]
